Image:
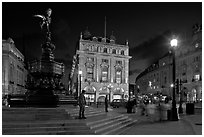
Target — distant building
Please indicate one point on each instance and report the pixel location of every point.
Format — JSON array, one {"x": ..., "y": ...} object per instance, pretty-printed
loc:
[
  {"x": 158, "y": 76},
  {"x": 14, "y": 74},
  {"x": 105, "y": 68}
]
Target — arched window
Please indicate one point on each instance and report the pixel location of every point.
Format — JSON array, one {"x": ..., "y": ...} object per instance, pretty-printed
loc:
[
  {"x": 98, "y": 49},
  {"x": 105, "y": 50},
  {"x": 122, "y": 52}
]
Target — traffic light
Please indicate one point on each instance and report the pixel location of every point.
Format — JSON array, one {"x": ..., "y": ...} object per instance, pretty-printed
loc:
[{"x": 177, "y": 86}]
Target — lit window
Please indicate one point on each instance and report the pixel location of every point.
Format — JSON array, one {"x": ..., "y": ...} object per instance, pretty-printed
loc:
[
  {"x": 118, "y": 76},
  {"x": 89, "y": 73},
  {"x": 196, "y": 45},
  {"x": 104, "y": 74},
  {"x": 197, "y": 77},
  {"x": 150, "y": 84}
]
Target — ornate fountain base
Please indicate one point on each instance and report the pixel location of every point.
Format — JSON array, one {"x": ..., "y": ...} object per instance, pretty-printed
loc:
[
  {"x": 46, "y": 77},
  {"x": 42, "y": 98}
]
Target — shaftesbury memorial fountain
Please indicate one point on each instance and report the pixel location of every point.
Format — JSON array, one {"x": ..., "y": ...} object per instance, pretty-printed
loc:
[{"x": 44, "y": 74}]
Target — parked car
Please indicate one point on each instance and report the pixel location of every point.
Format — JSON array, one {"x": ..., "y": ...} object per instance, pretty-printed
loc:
[{"x": 116, "y": 103}]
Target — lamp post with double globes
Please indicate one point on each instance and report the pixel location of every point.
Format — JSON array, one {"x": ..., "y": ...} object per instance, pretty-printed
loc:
[
  {"x": 110, "y": 86},
  {"x": 174, "y": 114}
]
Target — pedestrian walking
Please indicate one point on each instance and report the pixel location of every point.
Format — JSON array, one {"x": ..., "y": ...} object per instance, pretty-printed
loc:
[
  {"x": 106, "y": 103},
  {"x": 146, "y": 102},
  {"x": 82, "y": 103}
]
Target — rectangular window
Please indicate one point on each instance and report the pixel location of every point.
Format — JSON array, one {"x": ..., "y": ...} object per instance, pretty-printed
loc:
[{"x": 197, "y": 77}]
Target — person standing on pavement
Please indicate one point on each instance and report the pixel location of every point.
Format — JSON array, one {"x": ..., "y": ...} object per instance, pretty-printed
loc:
[
  {"x": 82, "y": 103},
  {"x": 106, "y": 103}
]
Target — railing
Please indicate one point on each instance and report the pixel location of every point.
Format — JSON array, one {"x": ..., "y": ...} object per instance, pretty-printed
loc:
[{"x": 47, "y": 67}]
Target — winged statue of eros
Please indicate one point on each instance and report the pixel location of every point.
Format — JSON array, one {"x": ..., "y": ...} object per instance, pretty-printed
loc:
[{"x": 43, "y": 20}]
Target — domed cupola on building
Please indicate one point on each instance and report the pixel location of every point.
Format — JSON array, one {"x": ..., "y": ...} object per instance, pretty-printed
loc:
[
  {"x": 86, "y": 34},
  {"x": 112, "y": 39}
]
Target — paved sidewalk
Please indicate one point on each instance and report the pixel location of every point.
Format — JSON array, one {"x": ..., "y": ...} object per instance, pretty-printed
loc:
[
  {"x": 195, "y": 121},
  {"x": 160, "y": 128},
  {"x": 187, "y": 125}
]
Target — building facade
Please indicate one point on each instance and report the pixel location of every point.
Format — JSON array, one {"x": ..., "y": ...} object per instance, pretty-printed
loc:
[
  {"x": 14, "y": 74},
  {"x": 158, "y": 76},
  {"x": 104, "y": 67},
  {"x": 189, "y": 66}
]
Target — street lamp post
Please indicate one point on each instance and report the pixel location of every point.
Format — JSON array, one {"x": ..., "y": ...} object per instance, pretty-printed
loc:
[
  {"x": 180, "y": 99},
  {"x": 110, "y": 87},
  {"x": 174, "y": 109},
  {"x": 80, "y": 73}
]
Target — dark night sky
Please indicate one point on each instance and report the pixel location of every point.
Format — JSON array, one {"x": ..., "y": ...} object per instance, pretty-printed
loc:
[{"x": 147, "y": 26}]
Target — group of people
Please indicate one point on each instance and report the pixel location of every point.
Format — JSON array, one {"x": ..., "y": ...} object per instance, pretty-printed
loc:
[{"x": 82, "y": 103}]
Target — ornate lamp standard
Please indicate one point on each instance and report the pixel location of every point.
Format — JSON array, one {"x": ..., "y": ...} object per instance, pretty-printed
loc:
[
  {"x": 174, "y": 109},
  {"x": 110, "y": 86},
  {"x": 80, "y": 73}
]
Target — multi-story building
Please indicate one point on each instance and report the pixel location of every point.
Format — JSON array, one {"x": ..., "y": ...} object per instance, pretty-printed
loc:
[
  {"x": 189, "y": 66},
  {"x": 158, "y": 76},
  {"x": 104, "y": 66},
  {"x": 14, "y": 74}
]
